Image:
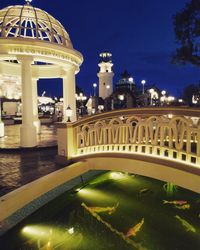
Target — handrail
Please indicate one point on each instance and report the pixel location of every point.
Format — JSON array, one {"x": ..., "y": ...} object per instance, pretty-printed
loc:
[{"x": 172, "y": 132}]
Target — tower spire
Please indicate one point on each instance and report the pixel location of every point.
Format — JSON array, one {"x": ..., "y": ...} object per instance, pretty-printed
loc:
[{"x": 105, "y": 75}]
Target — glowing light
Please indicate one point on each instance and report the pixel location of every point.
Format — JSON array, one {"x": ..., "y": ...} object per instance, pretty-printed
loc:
[
  {"x": 130, "y": 79},
  {"x": 163, "y": 92},
  {"x": 94, "y": 85},
  {"x": 71, "y": 230},
  {"x": 151, "y": 91},
  {"x": 34, "y": 231},
  {"x": 170, "y": 98},
  {"x": 91, "y": 194},
  {"x": 121, "y": 97},
  {"x": 116, "y": 175},
  {"x": 101, "y": 107},
  {"x": 51, "y": 237},
  {"x": 162, "y": 98}
]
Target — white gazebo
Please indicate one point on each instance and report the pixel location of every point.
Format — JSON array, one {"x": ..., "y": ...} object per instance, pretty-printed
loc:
[{"x": 34, "y": 45}]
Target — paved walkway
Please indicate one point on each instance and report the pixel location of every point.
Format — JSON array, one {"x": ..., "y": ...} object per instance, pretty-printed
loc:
[
  {"x": 47, "y": 138},
  {"x": 18, "y": 168},
  {"x": 21, "y": 166}
]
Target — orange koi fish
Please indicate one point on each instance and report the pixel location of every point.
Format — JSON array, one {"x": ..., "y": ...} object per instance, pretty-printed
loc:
[
  {"x": 183, "y": 207},
  {"x": 176, "y": 202},
  {"x": 110, "y": 210},
  {"x": 132, "y": 231}
]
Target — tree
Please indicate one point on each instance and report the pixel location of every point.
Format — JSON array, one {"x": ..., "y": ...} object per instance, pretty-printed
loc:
[
  {"x": 187, "y": 31},
  {"x": 190, "y": 91}
]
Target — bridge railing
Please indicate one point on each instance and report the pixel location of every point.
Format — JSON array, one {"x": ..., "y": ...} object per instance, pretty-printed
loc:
[{"x": 160, "y": 132}]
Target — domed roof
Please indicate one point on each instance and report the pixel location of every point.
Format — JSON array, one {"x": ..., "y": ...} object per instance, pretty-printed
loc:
[{"x": 28, "y": 22}]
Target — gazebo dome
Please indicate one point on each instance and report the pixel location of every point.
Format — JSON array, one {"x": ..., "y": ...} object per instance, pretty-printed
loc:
[{"x": 26, "y": 21}]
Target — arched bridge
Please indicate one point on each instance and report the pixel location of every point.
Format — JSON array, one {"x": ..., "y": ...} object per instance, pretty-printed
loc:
[{"x": 163, "y": 143}]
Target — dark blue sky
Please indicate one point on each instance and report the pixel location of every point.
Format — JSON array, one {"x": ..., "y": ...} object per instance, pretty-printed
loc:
[{"x": 139, "y": 34}]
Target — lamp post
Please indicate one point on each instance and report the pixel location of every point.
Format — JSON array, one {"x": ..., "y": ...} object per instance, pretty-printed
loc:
[
  {"x": 143, "y": 82},
  {"x": 101, "y": 108},
  {"x": 163, "y": 97},
  {"x": 81, "y": 98},
  {"x": 69, "y": 113},
  {"x": 151, "y": 91},
  {"x": 94, "y": 86}
]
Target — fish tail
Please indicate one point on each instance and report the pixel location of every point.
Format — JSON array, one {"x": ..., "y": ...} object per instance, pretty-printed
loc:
[{"x": 165, "y": 202}]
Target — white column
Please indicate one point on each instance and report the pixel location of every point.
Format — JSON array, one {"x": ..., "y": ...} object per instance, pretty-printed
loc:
[
  {"x": 28, "y": 134},
  {"x": 2, "y": 133},
  {"x": 69, "y": 91},
  {"x": 35, "y": 106}
]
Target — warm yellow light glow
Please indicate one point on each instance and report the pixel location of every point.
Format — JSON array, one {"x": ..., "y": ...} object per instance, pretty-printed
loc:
[
  {"x": 92, "y": 195},
  {"x": 52, "y": 237},
  {"x": 35, "y": 231},
  {"x": 116, "y": 175},
  {"x": 121, "y": 97},
  {"x": 71, "y": 230}
]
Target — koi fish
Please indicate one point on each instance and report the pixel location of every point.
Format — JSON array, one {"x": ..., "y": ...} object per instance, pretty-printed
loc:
[
  {"x": 132, "y": 231},
  {"x": 184, "y": 207},
  {"x": 177, "y": 202},
  {"x": 144, "y": 190},
  {"x": 186, "y": 224},
  {"x": 110, "y": 210}
]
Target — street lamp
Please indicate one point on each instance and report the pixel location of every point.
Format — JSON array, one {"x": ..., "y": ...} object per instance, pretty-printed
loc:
[
  {"x": 101, "y": 108},
  {"x": 121, "y": 97},
  {"x": 163, "y": 92},
  {"x": 131, "y": 79},
  {"x": 143, "y": 82},
  {"x": 153, "y": 95},
  {"x": 163, "y": 97},
  {"x": 69, "y": 113},
  {"x": 94, "y": 86},
  {"x": 151, "y": 91},
  {"x": 81, "y": 98}
]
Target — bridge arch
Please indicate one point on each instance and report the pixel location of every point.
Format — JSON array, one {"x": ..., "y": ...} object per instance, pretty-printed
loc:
[
  {"x": 160, "y": 169},
  {"x": 168, "y": 136}
]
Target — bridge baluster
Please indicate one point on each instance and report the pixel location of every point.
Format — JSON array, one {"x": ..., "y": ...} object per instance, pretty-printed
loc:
[{"x": 176, "y": 138}]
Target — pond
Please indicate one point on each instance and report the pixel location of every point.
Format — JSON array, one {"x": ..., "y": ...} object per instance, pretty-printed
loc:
[{"x": 117, "y": 211}]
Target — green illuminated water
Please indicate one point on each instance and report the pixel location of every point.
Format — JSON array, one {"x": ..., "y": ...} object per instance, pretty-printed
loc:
[{"x": 122, "y": 202}]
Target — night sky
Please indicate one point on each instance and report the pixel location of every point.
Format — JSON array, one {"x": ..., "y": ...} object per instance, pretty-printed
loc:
[{"x": 139, "y": 34}]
